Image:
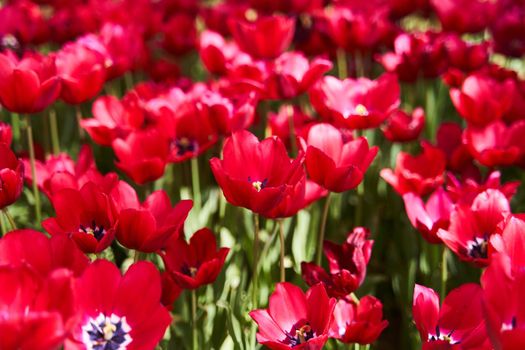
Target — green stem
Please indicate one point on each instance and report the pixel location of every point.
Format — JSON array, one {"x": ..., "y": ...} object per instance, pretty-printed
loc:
[
  {"x": 255, "y": 260},
  {"x": 10, "y": 219},
  {"x": 15, "y": 126},
  {"x": 32, "y": 161},
  {"x": 3, "y": 226},
  {"x": 319, "y": 248},
  {"x": 342, "y": 65},
  {"x": 55, "y": 141},
  {"x": 194, "y": 329},
  {"x": 78, "y": 115},
  {"x": 359, "y": 64},
  {"x": 195, "y": 184},
  {"x": 358, "y": 215},
  {"x": 281, "y": 239},
  {"x": 291, "y": 125},
  {"x": 444, "y": 273},
  {"x": 137, "y": 256}
]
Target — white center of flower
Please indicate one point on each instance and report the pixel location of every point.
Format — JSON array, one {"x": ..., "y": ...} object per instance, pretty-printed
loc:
[{"x": 106, "y": 333}]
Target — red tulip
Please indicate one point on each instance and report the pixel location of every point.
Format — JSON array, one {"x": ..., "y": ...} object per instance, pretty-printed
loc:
[
  {"x": 360, "y": 322},
  {"x": 465, "y": 192},
  {"x": 496, "y": 143},
  {"x": 416, "y": 55},
  {"x": 11, "y": 176},
  {"x": 60, "y": 171},
  {"x": 430, "y": 217},
  {"x": 87, "y": 215},
  {"x": 293, "y": 319},
  {"x": 266, "y": 37},
  {"x": 507, "y": 29},
  {"x": 360, "y": 26},
  {"x": 107, "y": 312},
  {"x": 142, "y": 155},
  {"x": 197, "y": 263},
  {"x": 6, "y": 134},
  {"x": 465, "y": 56},
  {"x": 29, "y": 320},
  {"x": 25, "y": 21},
  {"x": 291, "y": 75},
  {"x": 44, "y": 255},
  {"x": 450, "y": 140},
  {"x": 149, "y": 226},
  {"x": 459, "y": 321},
  {"x": 503, "y": 292},
  {"x": 472, "y": 226},
  {"x": 510, "y": 241},
  {"x": 347, "y": 264},
  {"x": 482, "y": 99},
  {"x": 420, "y": 174},
  {"x": 192, "y": 132},
  {"x": 216, "y": 53},
  {"x": 82, "y": 72},
  {"x": 256, "y": 175},
  {"x": 402, "y": 127},
  {"x": 464, "y": 16},
  {"x": 28, "y": 85},
  {"x": 179, "y": 33},
  {"x": 357, "y": 104},
  {"x": 334, "y": 164}
]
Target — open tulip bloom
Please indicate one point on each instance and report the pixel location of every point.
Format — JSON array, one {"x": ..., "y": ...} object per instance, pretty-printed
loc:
[{"x": 262, "y": 174}]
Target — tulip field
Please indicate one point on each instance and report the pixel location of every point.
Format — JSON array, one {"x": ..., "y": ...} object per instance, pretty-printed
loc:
[{"x": 262, "y": 174}]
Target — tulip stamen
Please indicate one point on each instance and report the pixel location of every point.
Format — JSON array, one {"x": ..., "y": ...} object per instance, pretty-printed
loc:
[
  {"x": 301, "y": 335},
  {"x": 258, "y": 185},
  {"x": 361, "y": 110},
  {"x": 96, "y": 231},
  {"x": 478, "y": 247},
  {"x": 106, "y": 332}
]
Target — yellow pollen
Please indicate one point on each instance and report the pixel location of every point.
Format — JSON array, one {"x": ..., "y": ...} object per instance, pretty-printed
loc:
[
  {"x": 193, "y": 271},
  {"x": 251, "y": 15},
  {"x": 257, "y": 185},
  {"x": 361, "y": 110},
  {"x": 184, "y": 141},
  {"x": 109, "y": 329},
  {"x": 300, "y": 333}
]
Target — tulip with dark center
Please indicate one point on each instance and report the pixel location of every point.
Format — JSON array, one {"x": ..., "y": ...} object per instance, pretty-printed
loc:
[
  {"x": 87, "y": 215},
  {"x": 295, "y": 319},
  {"x": 471, "y": 226}
]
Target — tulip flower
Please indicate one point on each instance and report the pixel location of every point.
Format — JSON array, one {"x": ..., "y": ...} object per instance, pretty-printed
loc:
[
  {"x": 333, "y": 163},
  {"x": 113, "y": 319},
  {"x": 402, "y": 127},
  {"x": 496, "y": 143},
  {"x": 358, "y": 322},
  {"x": 11, "y": 176},
  {"x": 82, "y": 72},
  {"x": 295, "y": 320},
  {"x": 356, "y": 103},
  {"x": 347, "y": 264},
  {"x": 28, "y": 85},
  {"x": 420, "y": 174},
  {"x": 256, "y": 175},
  {"x": 142, "y": 155},
  {"x": 482, "y": 99},
  {"x": 430, "y": 217},
  {"x": 44, "y": 255},
  {"x": 6, "y": 134},
  {"x": 148, "y": 226},
  {"x": 195, "y": 264},
  {"x": 458, "y": 321},
  {"x": 502, "y": 286},
  {"x": 87, "y": 215},
  {"x": 472, "y": 226},
  {"x": 464, "y": 16},
  {"x": 29, "y": 320},
  {"x": 266, "y": 37}
]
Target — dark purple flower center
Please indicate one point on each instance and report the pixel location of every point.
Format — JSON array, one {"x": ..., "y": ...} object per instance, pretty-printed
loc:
[
  {"x": 106, "y": 333},
  {"x": 478, "y": 247},
  {"x": 300, "y": 335},
  {"x": 97, "y": 231},
  {"x": 189, "y": 270},
  {"x": 183, "y": 145},
  {"x": 442, "y": 337}
]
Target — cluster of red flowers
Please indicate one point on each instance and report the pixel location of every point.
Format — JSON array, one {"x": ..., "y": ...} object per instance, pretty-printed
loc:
[{"x": 289, "y": 103}]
